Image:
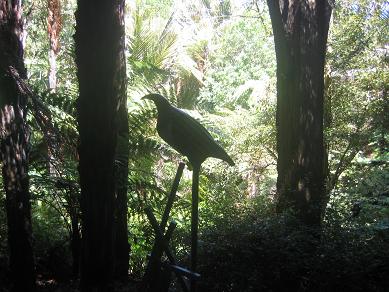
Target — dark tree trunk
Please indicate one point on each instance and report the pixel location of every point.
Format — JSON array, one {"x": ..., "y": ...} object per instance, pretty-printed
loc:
[
  {"x": 300, "y": 34},
  {"x": 121, "y": 229},
  {"x": 14, "y": 138},
  {"x": 74, "y": 212},
  {"x": 99, "y": 58},
  {"x": 75, "y": 245}
]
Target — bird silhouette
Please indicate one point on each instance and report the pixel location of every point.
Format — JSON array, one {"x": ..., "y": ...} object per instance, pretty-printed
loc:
[
  {"x": 191, "y": 139},
  {"x": 185, "y": 134}
]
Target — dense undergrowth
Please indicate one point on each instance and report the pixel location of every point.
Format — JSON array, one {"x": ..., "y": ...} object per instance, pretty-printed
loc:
[
  {"x": 277, "y": 253},
  {"x": 267, "y": 253},
  {"x": 251, "y": 249},
  {"x": 202, "y": 67}
]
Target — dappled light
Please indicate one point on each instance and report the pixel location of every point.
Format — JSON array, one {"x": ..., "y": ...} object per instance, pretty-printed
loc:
[{"x": 223, "y": 146}]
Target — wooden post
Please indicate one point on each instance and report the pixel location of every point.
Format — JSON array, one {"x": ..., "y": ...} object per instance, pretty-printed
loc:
[
  {"x": 195, "y": 221},
  {"x": 172, "y": 195},
  {"x": 165, "y": 246},
  {"x": 157, "y": 251}
]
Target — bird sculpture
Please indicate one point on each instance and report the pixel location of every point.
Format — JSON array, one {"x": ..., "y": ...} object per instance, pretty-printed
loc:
[
  {"x": 191, "y": 139},
  {"x": 185, "y": 134}
]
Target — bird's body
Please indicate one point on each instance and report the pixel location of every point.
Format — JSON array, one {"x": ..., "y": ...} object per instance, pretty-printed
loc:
[{"x": 185, "y": 134}]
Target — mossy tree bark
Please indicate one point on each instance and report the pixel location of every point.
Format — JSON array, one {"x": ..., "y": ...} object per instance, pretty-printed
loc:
[{"x": 300, "y": 34}]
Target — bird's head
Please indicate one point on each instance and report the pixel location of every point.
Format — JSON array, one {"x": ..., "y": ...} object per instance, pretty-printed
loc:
[{"x": 158, "y": 99}]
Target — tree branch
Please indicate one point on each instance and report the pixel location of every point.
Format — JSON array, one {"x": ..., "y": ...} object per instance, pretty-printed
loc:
[{"x": 40, "y": 111}]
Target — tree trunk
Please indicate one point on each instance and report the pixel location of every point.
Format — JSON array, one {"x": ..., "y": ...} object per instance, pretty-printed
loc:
[
  {"x": 75, "y": 244},
  {"x": 14, "y": 138},
  {"x": 53, "y": 28},
  {"x": 121, "y": 229},
  {"x": 300, "y": 35},
  {"x": 99, "y": 57},
  {"x": 73, "y": 209}
]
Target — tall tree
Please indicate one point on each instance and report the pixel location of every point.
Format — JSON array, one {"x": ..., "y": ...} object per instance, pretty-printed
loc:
[
  {"x": 121, "y": 246},
  {"x": 300, "y": 30},
  {"x": 14, "y": 139},
  {"x": 99, "y": 57},
  {"x": 53, "y": 28}
]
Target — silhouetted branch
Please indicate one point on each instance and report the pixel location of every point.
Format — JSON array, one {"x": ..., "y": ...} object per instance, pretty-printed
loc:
[{"x": 40, "y": 111}]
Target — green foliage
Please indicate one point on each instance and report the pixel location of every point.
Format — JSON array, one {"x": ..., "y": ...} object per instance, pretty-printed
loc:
[
  {"x": 216, "y": 59},
  {"x": 51, "y": 240},
  {"x": 151, "y": 51},
  {"x": 37, "y": 45},
  {"x": 249, "y": 246},
  {"x": 356, "y": 83},
  {"x": 356, "y": 120},
  {"x": 239, "y": 71}
]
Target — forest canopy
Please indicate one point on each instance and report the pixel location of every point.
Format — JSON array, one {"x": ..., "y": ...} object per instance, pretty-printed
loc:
[{"x": 297, "y": 96}]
